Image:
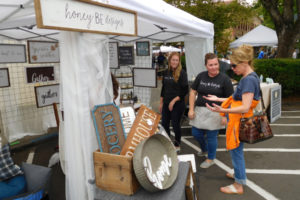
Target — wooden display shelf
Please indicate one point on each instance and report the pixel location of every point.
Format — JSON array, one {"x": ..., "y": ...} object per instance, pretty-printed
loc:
[
  {"x": 123, "y": 76},
  {"x": 126, "y": 88}
]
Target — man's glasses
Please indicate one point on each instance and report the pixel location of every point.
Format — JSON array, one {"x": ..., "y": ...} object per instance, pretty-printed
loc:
[{"x": 233, "y": 66}]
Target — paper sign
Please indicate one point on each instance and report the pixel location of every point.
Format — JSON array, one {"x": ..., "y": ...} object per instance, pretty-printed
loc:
[
  {"x": 145, "y": 125},
  {"x": 109, "y": 128}
]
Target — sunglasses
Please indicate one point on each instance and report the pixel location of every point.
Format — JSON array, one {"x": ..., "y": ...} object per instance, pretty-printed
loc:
[{"x": 233, "y": 66}]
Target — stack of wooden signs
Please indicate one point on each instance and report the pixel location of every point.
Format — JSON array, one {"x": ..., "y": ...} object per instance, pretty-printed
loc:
[{"x": 130, "y": 152}]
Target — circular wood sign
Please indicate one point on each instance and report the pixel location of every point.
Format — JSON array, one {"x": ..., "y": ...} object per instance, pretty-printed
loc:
[{"x": 155, "y": 163}]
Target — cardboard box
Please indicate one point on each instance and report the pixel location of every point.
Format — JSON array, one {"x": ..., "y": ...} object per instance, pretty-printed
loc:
[{"x": 115, "y": 173}]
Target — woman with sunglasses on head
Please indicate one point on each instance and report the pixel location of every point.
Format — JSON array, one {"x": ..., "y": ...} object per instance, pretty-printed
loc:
[
  {"x": 174, "y": 89},
  {"x": 206, "y": 124},
  {"x": 242, "y": 102}
]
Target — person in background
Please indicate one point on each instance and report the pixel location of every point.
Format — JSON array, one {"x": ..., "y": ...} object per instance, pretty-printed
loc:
[
  {"x": 261, "y": 53},
  {"x": 203, "y": 121},
  {"x": 242, "y": 102},
  {"x": 161, "y": 60},
  {"x": 174, "y": 89},
  {"x": 294, "y": 54}
]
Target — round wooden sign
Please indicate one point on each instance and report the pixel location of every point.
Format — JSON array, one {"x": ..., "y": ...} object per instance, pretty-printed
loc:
[{"x": 155, "y": 163}]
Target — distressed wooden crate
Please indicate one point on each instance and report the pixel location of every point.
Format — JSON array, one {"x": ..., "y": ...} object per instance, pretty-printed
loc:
[{"x": 115, "y": 173}]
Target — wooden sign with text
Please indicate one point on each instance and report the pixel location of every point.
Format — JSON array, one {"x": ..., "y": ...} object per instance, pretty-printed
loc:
[
  {"x": 145, "y": 125},
  {"x": 109, "y": 128},
  {"x": 85, "y": 16}
]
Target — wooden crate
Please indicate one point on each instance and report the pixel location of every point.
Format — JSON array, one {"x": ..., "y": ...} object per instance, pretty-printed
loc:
[{"x": 115, "y": 173}]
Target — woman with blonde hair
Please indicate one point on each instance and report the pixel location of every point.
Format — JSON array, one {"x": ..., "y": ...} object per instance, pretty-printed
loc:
[
  {"x": 173, "y": 92},
  {"x": 241, "y": 103}
]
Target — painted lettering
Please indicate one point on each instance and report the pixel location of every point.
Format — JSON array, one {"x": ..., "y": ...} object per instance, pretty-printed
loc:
[{"x": 48, "y": 95}]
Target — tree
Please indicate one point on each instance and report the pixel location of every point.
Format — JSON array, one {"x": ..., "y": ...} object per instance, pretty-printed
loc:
[
  {"x": 222, "y": 15},
  {"x": 285, "y": 14}
]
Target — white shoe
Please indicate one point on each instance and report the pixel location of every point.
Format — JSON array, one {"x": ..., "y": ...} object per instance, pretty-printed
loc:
[{"x": 207, "y": 164}]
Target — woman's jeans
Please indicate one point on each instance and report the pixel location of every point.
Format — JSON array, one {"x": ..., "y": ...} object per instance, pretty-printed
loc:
[
  {"x": 238, "y": 162},
  {"x": 209, "y": 143},
  {"x": 175, "y": 117}
]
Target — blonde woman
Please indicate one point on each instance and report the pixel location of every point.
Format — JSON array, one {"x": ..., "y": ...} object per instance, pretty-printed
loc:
[
  {"x": 173, "y": 92},
  {"x": 242, "y": 102}
]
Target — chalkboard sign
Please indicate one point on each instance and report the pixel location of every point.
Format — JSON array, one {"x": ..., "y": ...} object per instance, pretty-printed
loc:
[
  {"x": 39, "y": 74},
  {"x": 12, "y": 53},
  {"x": 144, "y": 77},
  {"x": 46, "y": 95},
  {"x": 143, "y": 48},
  {"x": 113, "y": 55},
  {"x": 4, "y": 77},
  {"x": 275, "y": 104},
  {"x": 126, "y": 56},
  {"x": 43, "y": 52}
]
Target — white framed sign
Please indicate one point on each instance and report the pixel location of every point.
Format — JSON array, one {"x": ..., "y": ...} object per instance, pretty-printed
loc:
[
  {"x": 144, "y": 77},
  {"x": 43, "y": 52},
  {"x": 85, "y": 16},
  {"x": 275, "y": 104},
  {"x": 4, "y": 77},
  {"x": 46, "y": 95},
  {"x": 12, "y": 53},
  {"x": 113, "y": 55}
]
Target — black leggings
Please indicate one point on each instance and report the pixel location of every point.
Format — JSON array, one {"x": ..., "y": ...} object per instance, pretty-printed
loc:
[{"x": 175, "y": 116}]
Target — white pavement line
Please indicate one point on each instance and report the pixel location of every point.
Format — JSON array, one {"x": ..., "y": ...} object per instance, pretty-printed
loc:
[
  {"x": 276, "y": 135},
  {"x": 291, "y": 111},
  {"x": 266, "y": 150},
  {"x": 285, "y": 124},
  {"x": 30, "y": 156},
  {"x": 289, "y": 117},
  {"x": 265, "y": 194},
  {"x": 273, "y": 171}
]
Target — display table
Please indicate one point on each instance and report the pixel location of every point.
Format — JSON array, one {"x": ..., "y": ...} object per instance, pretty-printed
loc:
[
  {"x": 176, "y": 192},
  {"x": 266, "y": 91}
]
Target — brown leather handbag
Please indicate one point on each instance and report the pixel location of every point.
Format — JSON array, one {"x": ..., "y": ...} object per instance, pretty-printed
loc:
[{"x": 256, "y": 128}]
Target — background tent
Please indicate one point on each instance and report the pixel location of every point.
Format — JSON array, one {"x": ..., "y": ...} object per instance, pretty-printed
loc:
[
  {"x": 259, "y": 36},
  {"x": 167, "y": 49},
  {"x": 85, "y": 75}
]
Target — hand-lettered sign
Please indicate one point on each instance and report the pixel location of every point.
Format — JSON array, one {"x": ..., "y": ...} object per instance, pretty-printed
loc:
[
  {"x": 128, "y": 117},
  {"x": 144, "y": 125},
  {"x": 126, "y": 55},
  {"x": 109, "y": 128},
  {"x": 43, "y": 52},
  {"x": 12, "y": 53},
  {"x": 85, "y": 16},
  {"x": 46, "y": 95},
  {"x": 39, "y": 74}
]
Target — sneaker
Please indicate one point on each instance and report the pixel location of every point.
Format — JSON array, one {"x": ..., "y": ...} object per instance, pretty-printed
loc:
[
  {"x": 177, "y": 148},
  {"x": 202, "y": 154},
  {"x": 207, "y": 164}
]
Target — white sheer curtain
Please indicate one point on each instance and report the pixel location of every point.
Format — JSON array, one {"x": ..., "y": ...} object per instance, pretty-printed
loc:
[{"x": 85, "y": 82}]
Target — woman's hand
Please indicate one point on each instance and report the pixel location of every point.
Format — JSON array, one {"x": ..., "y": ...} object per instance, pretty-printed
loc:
[
  {"x": 223, "y": 120},
  {"x": 210, "y": 97},
  {"x": 171, "y": 105},
  {"x": 160, "y": 107},
  {"x": 214, "y": 107},
  {"x": 191, "y": 114}
]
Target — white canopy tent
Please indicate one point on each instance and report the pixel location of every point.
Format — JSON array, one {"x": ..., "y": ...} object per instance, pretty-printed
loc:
[
  {"x": 259, "y": 36},
  {"x": 85, "y": 75},
  {"x": 165, "y": 49}
]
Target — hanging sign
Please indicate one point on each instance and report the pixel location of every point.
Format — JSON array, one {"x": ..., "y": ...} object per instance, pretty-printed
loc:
[
  {"x": 85, "y": 16},
  {"x": 109, "y": 128},
  {"x": 144, "y": 125},
  {"x": 46, "y": 95},
  {"x": 40, "y": 74},
  {"x": 43, "y": 52}
]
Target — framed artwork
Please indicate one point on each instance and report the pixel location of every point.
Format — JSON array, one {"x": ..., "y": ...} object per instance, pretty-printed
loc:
[
  {"x": 43, "y": 52},
  {"x": 113, "y": 55},
  {"x": 143, "y": 48},
  {"x": 126, "y": 56},
  {"x": 46, "y": 95},
  {"x": 144, "y": 77},
  {"x": 39, "y": 74},
  {"x": 4, "y": 78},
  {"x": 12, "y": 53}
]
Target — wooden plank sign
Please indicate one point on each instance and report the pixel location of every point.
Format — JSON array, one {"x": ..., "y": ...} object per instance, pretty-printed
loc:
[
  {"x": 144, "y": 125},
  {"x": 128, "y": 117},
  {"x": 85, "y": 16},
  {"x": 109, "y": 128}
]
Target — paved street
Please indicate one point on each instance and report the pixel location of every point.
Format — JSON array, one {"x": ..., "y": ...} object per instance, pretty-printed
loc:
[{"x": 273, "y": 166}]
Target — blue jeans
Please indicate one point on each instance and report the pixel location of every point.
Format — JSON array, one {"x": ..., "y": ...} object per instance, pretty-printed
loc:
[
  {"x": 209, "y": 143},
  {"x": 238, "y": 162}
]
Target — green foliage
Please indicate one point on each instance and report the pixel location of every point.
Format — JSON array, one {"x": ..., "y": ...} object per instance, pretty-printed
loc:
[
  {"x": 222, "y": 15},
  {"x": 286, "y": 72}
]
